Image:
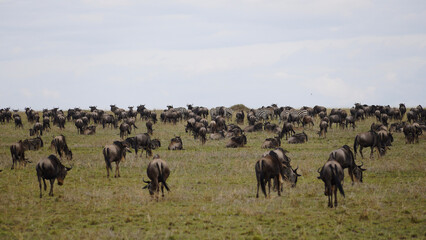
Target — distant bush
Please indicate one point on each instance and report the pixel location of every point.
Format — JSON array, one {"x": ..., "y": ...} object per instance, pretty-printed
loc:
[{"x": 239, "y": 107}]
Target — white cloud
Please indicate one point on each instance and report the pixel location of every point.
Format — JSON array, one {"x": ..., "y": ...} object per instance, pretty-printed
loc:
[{"x": 50, "y": 94}]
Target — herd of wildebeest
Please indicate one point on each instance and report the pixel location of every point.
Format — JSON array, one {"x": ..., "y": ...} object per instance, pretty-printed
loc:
[{"x": 224, "y": 124}]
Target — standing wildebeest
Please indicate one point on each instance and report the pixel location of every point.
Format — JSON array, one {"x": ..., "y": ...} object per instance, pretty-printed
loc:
[
  {"x": 18, "y": 122},
  {"x": 124, "y": 130},
  {"x": 37, "y": 129},
  {"x": 155, "y": 143},
  {"x": 332, "y": 175},
  {"x": 149, "y": 127},
  {"x": 272, "y": 142},
  {"x": 412, "y": 133},
  {"x": 115, "y": 153},
  {"x": 287, "y": 129},
  {"x": 202, "y": 134},
  {"x": 17, "y": 150},
  {"x": 323, "y": 128},
  {"x": 267, "y": 168},
  {"x": 345, "y": 158},
  {"x": 368, "y": 139},
  {"x": 238, "y": 141},
  {"x": 60, "y": 145},
  {"x": 79, "y": 124},
  {"x": 289, "y": 174},
  {"x": 46, "y": 123},
  {"x": 176, "y": 143},
  {"x": 298, "y": 138},
  {"x": 240, "y": 117},
  {"x": 307, "y": 120},
  {"x": 140, "y": 141},
  {"x": 51, "y": 168},
  {"x": 158, "y": 172}
]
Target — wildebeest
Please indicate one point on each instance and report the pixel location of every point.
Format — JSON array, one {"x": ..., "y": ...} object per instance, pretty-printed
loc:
[
  {"x": 307, "y": 120},
  {"x": 46, "y": 123},
  {"x": 412, "y": 133},
  {"x": 140, "y": 141},
  {"x": 18, "y": 122},
  {"x": 287, "y": 130},
  {"x": 298, "y": 138},
  {"x": 51, "y": 168},
  {"x": 157, "y": 172},
  {"x": 267, "y": 168},
  {"x": 323, "y": 129},
  {"x": 176, "y": 143},
  {"x": 217, "y": 136},
  {"x": 115, "y": 152},
  {"x": 254, "y": 128},
  {"x": 332, "y": 175},
  {"x": 155, "y": 143},
  {"x": 17, "y": 150},
  {"x": 368, "y": 139},
  {"x": 350, "y": 120},
  {"x": 89, "y": 130},
  {"x": 271, "y": 142},
  {"x": 149, "y": 127},
  {"x": 202, "y": 134},
  {"x": 59, "y": 143},
  {"x": 289, "y": 174},
  {"x": 37, "y": 129},
  {"x": 124, "y": 130},
  {"x": 238, "y": 141},
  {"x": 79, "y": 124},
  {"x": 345, "y": 158}
]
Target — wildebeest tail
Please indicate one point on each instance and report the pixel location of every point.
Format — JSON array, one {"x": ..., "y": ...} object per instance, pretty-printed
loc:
[
  {"x": 355, "y": 145},
  {"x": 107, "y": 157},
  {"x": 161, "y": 177},
  {"x": 261, "y": 177},
  {"x": 337, "y": 180},
  {"x": 13, "y": 152}
]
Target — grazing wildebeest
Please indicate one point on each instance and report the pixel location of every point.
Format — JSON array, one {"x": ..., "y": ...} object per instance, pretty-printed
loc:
[
  {"x": 368, "y": 139},
  {"x": 18, "y": 122},
  {"x": 158, "y": 172},
  {"x": 115, "y": 152},
  {"x": 298, "y": 138},
  {"x": 385, "y": 138},
  {"x": 345, "y": 158},
  {"x": 267, "y": 168},
  {"x": 289, "y": 174},
  {"x": 141, "y": 141},
  {"x": 124, "y": 130},
  {"x": 51, "y": 168},
  {"x": 176, "y": 143},
  {"x": 287, "y": 129},
  {"x": 272, "y": 142},
  {"x": 149, "y": 127},
  {"x": 238, "y": 141},
  {"x": 155, "y": 143},
  {"x": 240, "y": 117},
  {"x": 307, "y": 120},
  {"x": 37, "y": 129},
  {"x": 59, "y": 143},
  {"x": 109, "y": 119},
  {"x": 17, "y": 150},
  {"x": 412, "y": 133},
  {"x": 323, "y": 129},
  {"x": 332, "y": 175},
  {"x": 350, "y": 120},
  {"x": 202, "y": 134}
]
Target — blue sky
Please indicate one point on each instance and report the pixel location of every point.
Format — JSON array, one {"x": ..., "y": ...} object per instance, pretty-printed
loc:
[{"x": 211, "y": 53}]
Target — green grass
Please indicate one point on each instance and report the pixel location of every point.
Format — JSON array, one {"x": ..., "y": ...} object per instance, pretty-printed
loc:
[{"x": 212, "y": 191}]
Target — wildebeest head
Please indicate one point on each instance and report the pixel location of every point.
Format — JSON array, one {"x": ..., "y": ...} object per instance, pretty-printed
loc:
[
  {"x": 291, "y": 174},
  {"x": 357, "y": 171},
  {"x": 62, "y": 174}
]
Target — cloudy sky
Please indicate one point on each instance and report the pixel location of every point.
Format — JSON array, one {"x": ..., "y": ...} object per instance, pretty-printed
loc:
[{"x": 211, "y": 53}]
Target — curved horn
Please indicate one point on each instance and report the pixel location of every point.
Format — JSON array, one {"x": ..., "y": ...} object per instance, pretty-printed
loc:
[
  {"x": 362, "y": 163},
  {"x": 143, "y": 179},
  {"x": 319, "y": 170},
  {"x": 68, "y": 168},
  {"x": 296, "y": 168}
]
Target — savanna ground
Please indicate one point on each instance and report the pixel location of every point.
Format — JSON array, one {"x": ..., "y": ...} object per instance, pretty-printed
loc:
[{"x": 213, "y": 191}]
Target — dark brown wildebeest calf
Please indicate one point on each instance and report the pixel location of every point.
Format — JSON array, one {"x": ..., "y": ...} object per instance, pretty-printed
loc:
[
  {"x": 51, "y": 168},
  {"x": 157, "y": 172}
]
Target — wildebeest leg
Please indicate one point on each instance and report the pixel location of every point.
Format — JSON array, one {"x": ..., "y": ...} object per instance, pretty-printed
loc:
[
  {"x": 269, "y": 187},
  {"x": 116, "y": 170},
  {"x": 351, "y": 175},
  {"x": 277, "y": 179},
  {"x": 39, "y": 184},
  {"x": 360, "y": 151},
  {"x": 52, "y": 181},
  {"x": 45, "y": 186},
  {"x": 257, "y": 193},
  {"x": 162, "y": 190},
  {"x": 371, "y": 153}
]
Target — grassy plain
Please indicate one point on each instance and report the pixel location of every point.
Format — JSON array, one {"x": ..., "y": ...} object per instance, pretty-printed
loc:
[{"x": 212, "y": 191}]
